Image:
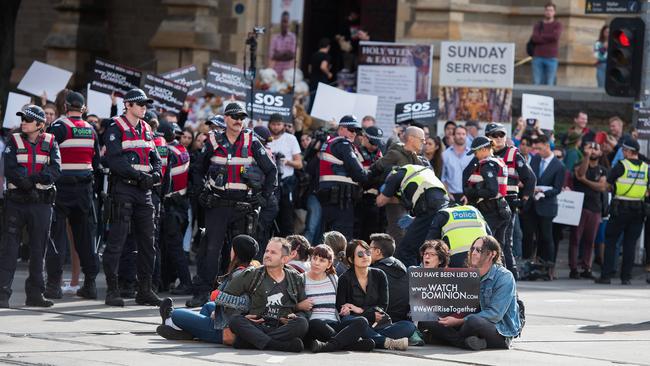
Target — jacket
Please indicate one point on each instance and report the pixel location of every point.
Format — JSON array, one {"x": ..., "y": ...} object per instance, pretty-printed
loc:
[
  {"x": 398, "y": 287},
  {"x": 396, "y": 155},
  {"x": 375, "y": 296},
  {"x": 552, "y": 176}
]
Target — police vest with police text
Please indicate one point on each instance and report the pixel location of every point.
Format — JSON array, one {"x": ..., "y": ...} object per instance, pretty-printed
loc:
[
  {"x": 78, "y": 148},
  {"x": 33, "y": 158},
  {"x": 423, "y": 177},
  {"x": 464, "y": 225},
  {"x": 332, "y": 168},
  {"x": 632, "y": 185},
  {"x": 136, "y": 146},
  {"x": 235, "y": 163},
  {"x": 502, "y": 175},
  {"x": 179, "y": 170}
]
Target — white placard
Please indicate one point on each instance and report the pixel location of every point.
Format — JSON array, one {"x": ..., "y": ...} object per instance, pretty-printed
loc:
[
  {"x": 334, "y": 103},
  {"x": 44, "y": 78},
  {"x": 477, "y": 64},
  {"x": 294, "y": 7},
  {"x": 539, "y": 107},
  {"x": 100, "y": 104},
  {"x": 15, "y": 103},
  {"x": 569, "y": 208}
]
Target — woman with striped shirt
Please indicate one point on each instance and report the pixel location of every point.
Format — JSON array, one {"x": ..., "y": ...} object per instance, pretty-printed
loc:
[{"x": 326, "y": 329}]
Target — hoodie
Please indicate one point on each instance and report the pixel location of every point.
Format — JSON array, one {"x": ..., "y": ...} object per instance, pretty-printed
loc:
[{"x": 398, "y": 289}]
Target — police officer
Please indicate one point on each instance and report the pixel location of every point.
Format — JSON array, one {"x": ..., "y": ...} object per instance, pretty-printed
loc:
[
  {"x": 79, "y": 148},
  {"x": 157, "y": 193},
  {"x": 518, "y": 173},
  {"x": 629, "y": 182},
  {"x": 229, "y": 203},
  {"x": 369, "y": 217},
  {"x": 341, "y": 175},
  {"x": 486, "y": 185},
  {"x": 32, "y": 165},
  {"x": 269, "y": 211},
  {"x": 458, "y": 226},
  {"x": 135, "y": 167},
  {"x": 216, "y": 123},
  {"x": 422, "y": 193}
]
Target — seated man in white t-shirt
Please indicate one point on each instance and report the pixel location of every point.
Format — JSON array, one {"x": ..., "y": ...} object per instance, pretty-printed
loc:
[{"x": 286, "y": 152}]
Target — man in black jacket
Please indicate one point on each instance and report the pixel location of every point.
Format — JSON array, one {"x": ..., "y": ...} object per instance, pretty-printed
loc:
[{"x": 382, "y": 248}]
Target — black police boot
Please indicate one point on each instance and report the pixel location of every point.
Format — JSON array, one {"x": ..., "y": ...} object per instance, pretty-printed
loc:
[
  {"x": 4, "y": 303},
  {"x": 181, "y": 289},
  {"x": 145, "y": 295},
  {"x": 196, "y": 301},
  {"x": 113, "y": 297},
  {"x": 37, "y": 300},
  {"x": 88, "y": 290},
  {"x": 53, "y": 289},
  {"x": 127, "y": 289}
]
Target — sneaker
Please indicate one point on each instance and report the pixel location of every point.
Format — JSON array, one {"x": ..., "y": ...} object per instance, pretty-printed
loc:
[
  {"x": 574, "y": 274},
  {"x": 401, "y": 344},
  {"x": 166, "y": 308},
  {"x": 475, "y": 343},
  {"x": 70, "y": 290},
  {"x": 172, "y": 334},
  {"x": 587, "y": 274}
]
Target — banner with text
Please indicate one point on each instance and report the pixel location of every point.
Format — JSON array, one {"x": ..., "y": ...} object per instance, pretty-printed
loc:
[
  {"x": 395, "y": 73},
  {"x": 109, "y": 77},
  {"x": 423, "y": 112},
  {"x": 227, "y": 80},
  {"x": 188, "y": 76},
  {"x": 265, "y": 104},
  {"x": 569, "y": 208},
  {"x": 166, "y": 94},
  {"x": 440, "y": 292},
  {"x": 539, "y": 107},
  {"x": 330, "y": 104}
]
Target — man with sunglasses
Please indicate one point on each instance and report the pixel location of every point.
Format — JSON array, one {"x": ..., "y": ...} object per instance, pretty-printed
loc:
[
  {"x": 135, "y": 167},
  {"x": 341, "y": 174},
  {"x": 32, "y": 165},
  {"x": 231, "y": 204},
  {"x": 519, "y": 172}
]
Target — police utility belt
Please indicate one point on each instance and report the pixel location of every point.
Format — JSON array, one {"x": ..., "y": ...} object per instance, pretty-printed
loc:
[
  {"x": 499, "y": 205},
  {"x": 622, "y": 207},
  {"x": 74, "y": 179},
  {"x": 40, "y": 194}
]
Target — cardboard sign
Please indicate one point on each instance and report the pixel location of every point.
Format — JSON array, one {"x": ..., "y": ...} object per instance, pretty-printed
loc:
[
  {"x": 643, "y": 123},
  {"x": 332, "y": 103},
  {"x": 189, "y": 77},
  {"x": 477, "y": 64},
  {"x": 265, "y": 104},
  {"x": 569, "y": 208},
  {"x": 15, "y": 103},
  {"x": 46, "y": 78},
  {"x": 539, "y": 107},
  {"x": 227, "y": 80},
  {"x": 424, "y": 112},
  {"x": 100, "y": 104},
  {"x": 166, "y": 94},
  {"x": 440, "y": 292},
  {"x": 110, "y": 77}
]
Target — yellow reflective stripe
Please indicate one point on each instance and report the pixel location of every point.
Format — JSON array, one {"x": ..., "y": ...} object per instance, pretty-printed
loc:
[
  {"x": 80, "y": 166},
  {"x": 337, "y": 178},
  {"x": 633, "y": 181},
  {"x": 625, "y": 198},
  {"x": 330, "y": 158},
  {"x": 460, "y": 249},
  {"x": 460, "y": 224},
  {"x": 77, "y": 143}
]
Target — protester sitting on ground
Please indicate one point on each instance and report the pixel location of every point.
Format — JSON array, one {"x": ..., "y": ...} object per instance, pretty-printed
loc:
[
  {"x": 434, "y": 254},
  {"x": 299, "y": 257},
  {"x": 210, "y": 324},
  {"x": 382, "y": 248},
  {"x": 273, "y": 322},
  {"x": 498, "y": 321},
  {"x": 363, "y": 292},
  {"x": 327, "y": 332},
  {"x": 337, "y": 242}
]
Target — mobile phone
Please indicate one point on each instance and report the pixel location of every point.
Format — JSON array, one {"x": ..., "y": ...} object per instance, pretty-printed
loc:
[{"x": 531, "y": 121}]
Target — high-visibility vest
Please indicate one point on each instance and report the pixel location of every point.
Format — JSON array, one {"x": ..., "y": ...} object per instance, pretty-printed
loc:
[
  {"x": 464, "y": 225},
  {"x": 237, "y": 163},
  {"x": 331, "y": 167},
  {"x": 632, "y": 185},
  {"x": 424, "y": 177},
  {"x": 78, "y": 148},
  {"x": 502, "y": 175},
  {"x": 137, "y": 146},
  {"x": 510, "y": 159},
  {"x": 161, "y": 147},
  {"x": 179, "y": 170},
  {"x": 33, "y": 158}
]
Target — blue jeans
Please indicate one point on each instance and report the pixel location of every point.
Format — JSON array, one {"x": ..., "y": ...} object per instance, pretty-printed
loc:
[
  {"x": 544, "y": 70},
  {"x": 397, "y": 330},
  {"x": 200, "y": 325},
  {"x": 314, "y": 215},
  {"x": 517, "y": 236},
  {"x": 600, "y": 74}
]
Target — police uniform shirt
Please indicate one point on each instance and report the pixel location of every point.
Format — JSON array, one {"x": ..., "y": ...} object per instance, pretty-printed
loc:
[
  {"x": 118, "y": 163},
  {"x": 392, "y": 187},
  {"x": 524, "y": 171},
  {"x": 60, "y": 132},
  {"x": 344, "y": 151},
  {"x": 487, "y": 189},
  {"x": 15, "y": 172},
  {"x": 618, "y": 170}
]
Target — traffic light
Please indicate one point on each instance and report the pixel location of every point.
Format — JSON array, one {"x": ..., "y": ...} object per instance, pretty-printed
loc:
[{"x": 624, "y": 57}]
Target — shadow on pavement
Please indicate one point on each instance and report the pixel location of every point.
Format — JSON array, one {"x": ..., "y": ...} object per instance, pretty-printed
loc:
[{"x": 624, "y": 327}]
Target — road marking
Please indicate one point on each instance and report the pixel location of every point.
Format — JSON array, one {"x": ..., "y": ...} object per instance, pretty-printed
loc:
[{"x": 276, "y": 359}]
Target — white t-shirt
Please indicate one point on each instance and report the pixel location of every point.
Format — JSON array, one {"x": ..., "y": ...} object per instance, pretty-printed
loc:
[{"x": 287, "y": 144}]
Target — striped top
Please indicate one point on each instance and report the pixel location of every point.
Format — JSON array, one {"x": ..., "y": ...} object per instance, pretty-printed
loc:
[{"x": 323, "y": 294}]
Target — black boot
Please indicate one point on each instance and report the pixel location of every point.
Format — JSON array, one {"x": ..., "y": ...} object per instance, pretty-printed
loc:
[
  {"x": 88, "y": 290},
  {"x": 4, "y": 303},
  {"x": 166, "y": 308},
  {"x": 181, "y": 289},
  {"x": 127, "y": 289},
  {"x": 145, "y": 295},
  {"x": 53, "y": 289},
  {"x": 331, "y": 346},
  {"x": 196, "y": 301},
  {"x": 113, "y": 297},
  {"x": 293, "y": 345},
  {"x": 362, "y": 345},
  {"x": 38, "y": 300}
]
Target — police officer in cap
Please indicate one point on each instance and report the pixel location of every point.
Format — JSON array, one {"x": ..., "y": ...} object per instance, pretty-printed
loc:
[
  {"x": 423, "y": 194},
  {"x": 628, "y": 180},
  {"x": 518, "y": 173},
  {"x": 32, "y": 165},
  {"x": 135, "y": 167},
  {"x": 230, "y": 205},
  {"x": 485, "y": 186},
  {"x": 369, "y": 218},
  {"x": 341, "y": 176},
  {"x": 216, "y": 123},
  {"x": 79, "y": 148}
]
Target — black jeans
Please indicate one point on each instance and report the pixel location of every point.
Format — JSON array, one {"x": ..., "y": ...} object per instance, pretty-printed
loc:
[
  {"x": 630, "y": 225},
  {"x": 286, "y": 205},
  {"x": 473, "y": 326},
  {"x": 344, "y": 333},
  {"x": 172, "y": 230},
  {"x": 338, "y": 219},
  {"x": 408, "y": 251},
  {"x": 537, "y": 236},
  {"x": 259, "y": 335}
]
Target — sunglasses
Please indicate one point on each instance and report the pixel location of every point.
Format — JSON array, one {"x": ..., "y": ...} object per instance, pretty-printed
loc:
[
  {"x": 238, "y": 117},
  {"x": 498, "y": 135},
  {"x": 477, "y": 250},
  {"x": 363, "y": 253},
  {"x": 28, "y": 120},
  {"x": 353, "y": 130}
]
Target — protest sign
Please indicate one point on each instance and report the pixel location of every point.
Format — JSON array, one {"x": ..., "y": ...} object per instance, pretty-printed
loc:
[
  {"x": 569, "y": 208},
  {"x": 46, "y": 78},
  {"x": 643, "y": 123},
  {"x": 110, "y": 77},
  {"x": 15, "y": 103},
  {"x": 331, "y": 103},
  {"x": 189, "y": 77},
  {"x": 166, "y": 94},
  {"x": 395, "y": 73},
  {"x": 440, "y": 292},
  {"x": 265, "y": 104},
  {"x": 423, "y": 112},
  {"x": 100, "y": 104},
  {"x": 227, "y": 80},
  {"x": 476, "y": 81},
  {"x": 539, "y": 107}
]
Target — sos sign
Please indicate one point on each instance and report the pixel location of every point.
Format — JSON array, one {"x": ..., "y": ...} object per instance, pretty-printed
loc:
[
  {"x": 423, "y": 112},
  {"x": 269, "y": 99},
  {"x": 265, "y": 104},
  {"x": 416, "y": 107}
]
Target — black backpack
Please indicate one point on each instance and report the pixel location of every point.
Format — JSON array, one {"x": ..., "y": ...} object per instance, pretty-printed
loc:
[
  {"x": 522, "y": 315},
  {"x": 530, "y": 45}
]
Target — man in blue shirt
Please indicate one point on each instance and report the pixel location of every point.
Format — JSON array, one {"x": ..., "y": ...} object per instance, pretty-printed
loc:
[{"x": 454, "y": 161}]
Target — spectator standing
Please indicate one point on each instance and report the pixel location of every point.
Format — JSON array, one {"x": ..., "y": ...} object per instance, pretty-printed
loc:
[
  {"x": 319, "y": 66},
  {"x": 454, "y": 161},
  {"x": 282, "y": 50},
  {"x": 472, "y": 128},
  {"x": 448, "y": 139},
  {"x": 546, "y": 37},
  {"x": 600, "y": 53},
  {"x": 572, "y": 153},
  {"x": 433, "y": 152}
]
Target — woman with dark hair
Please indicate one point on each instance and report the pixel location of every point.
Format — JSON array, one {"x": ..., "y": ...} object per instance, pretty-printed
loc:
[
  {"x": 363, "y": 292},
  {"x": 187, "y": 138},
  {"x": 337, "y": 242},
  {"x": 211, "y": 323},
  {"x": 600, "y": 53},
  {"x": 326, "y": 330},
  {"x": 434, "y": 254},
  {"x": 433, "y": 152},
  {"x": 299, "y": 253}
]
